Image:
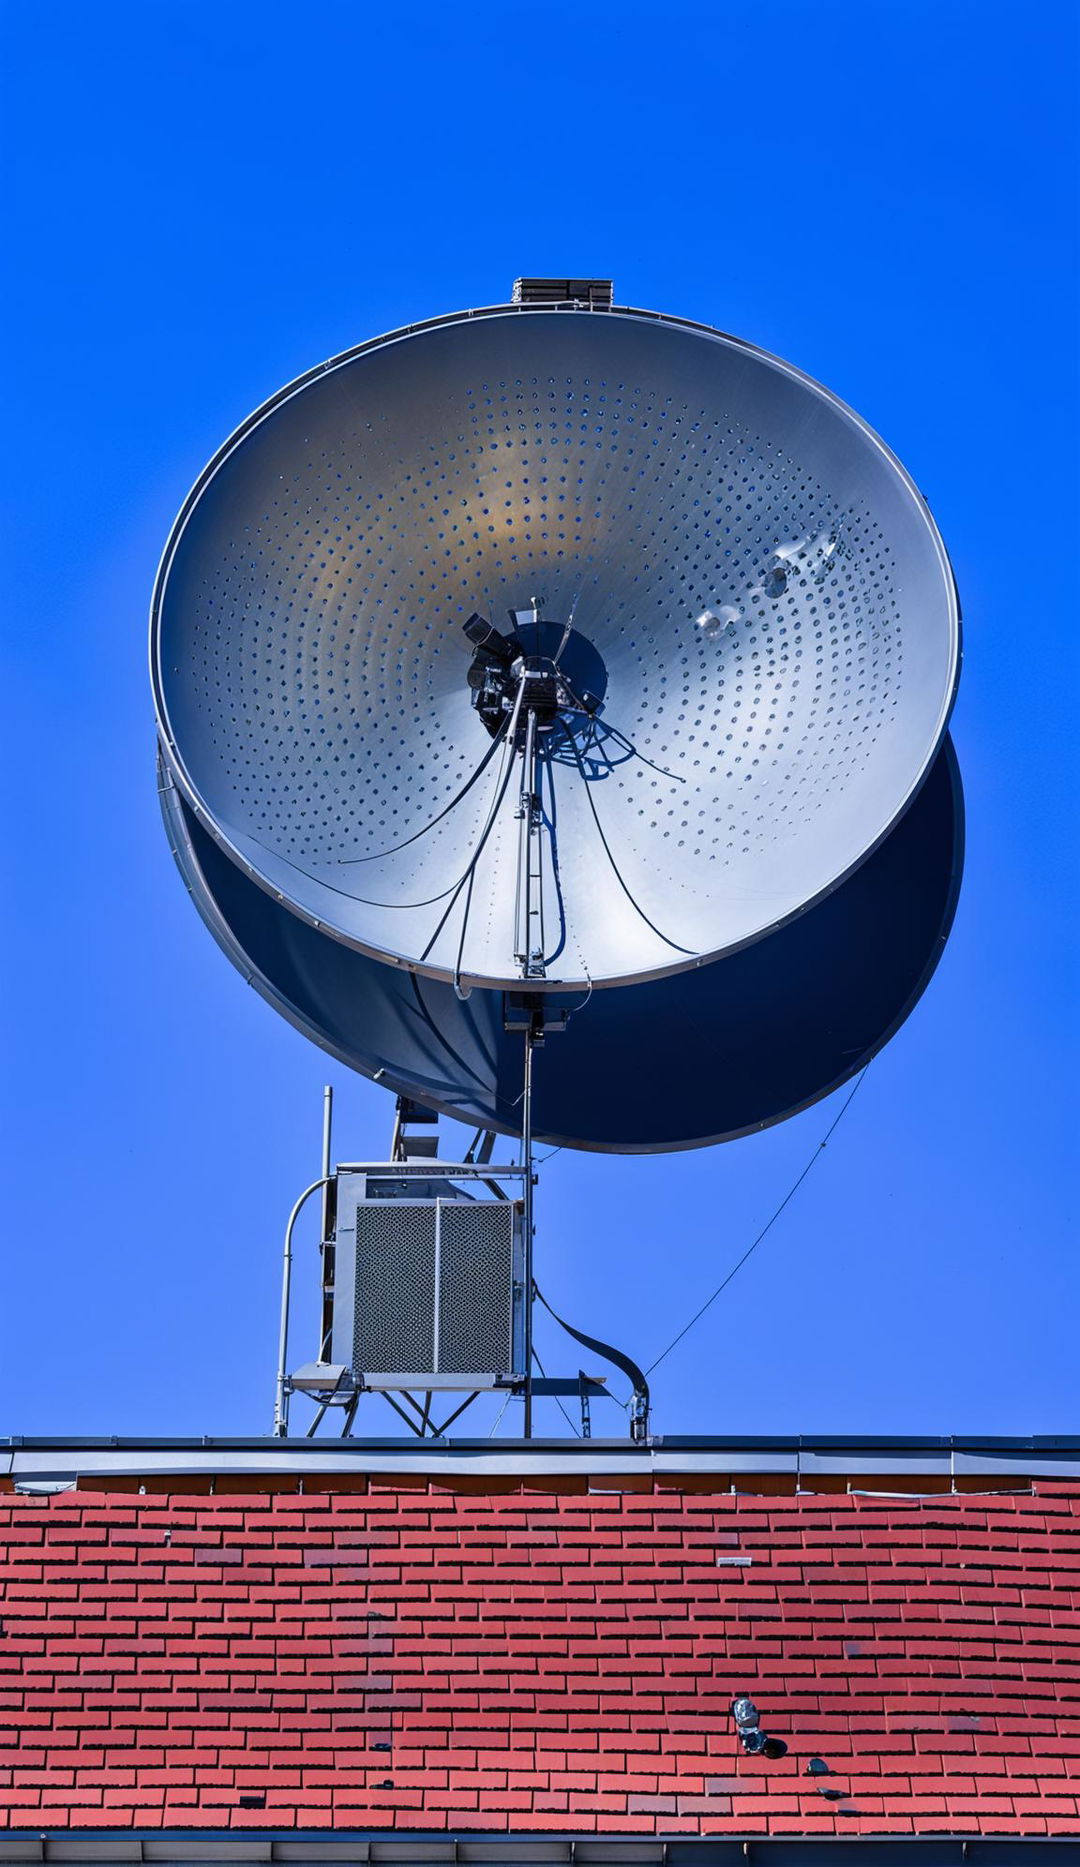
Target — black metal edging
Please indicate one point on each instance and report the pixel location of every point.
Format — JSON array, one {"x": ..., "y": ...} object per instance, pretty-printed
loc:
[{"x": 464, "y": 1849}]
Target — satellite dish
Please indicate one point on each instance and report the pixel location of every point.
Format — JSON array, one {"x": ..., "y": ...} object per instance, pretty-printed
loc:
[
  {"x": 571, "y": 645},
  {"x": 675, "y": 1062},
  {"x": 552, "y": 707}
]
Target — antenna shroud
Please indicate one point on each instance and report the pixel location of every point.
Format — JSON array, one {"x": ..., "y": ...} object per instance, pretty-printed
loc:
[{"x": 678, "y": 1062}]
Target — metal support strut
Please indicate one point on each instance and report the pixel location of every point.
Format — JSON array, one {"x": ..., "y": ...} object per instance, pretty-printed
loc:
[
  {"x": 528, "y": 1222},
  {"x": 529, "y": 899}
]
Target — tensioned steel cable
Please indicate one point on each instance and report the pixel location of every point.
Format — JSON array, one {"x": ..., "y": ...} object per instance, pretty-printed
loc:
[
  {"x": 766, "y": 1229},
  {"x": 504, "y": 779},
  {"x": 454, "y": 888},
  {"x": 613, "y": 732},
  {"x": 377, "y": 856},
  {"x": 638, "y": 910}
]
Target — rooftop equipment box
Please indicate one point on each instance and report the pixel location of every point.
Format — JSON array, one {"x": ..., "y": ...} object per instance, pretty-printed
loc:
[{"x": 428, "y": 1283}]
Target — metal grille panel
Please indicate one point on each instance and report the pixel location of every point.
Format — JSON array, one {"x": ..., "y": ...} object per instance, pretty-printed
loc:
[
  {"x": 395, "y": 1287},
  {"x": 476, "y": 1287}
]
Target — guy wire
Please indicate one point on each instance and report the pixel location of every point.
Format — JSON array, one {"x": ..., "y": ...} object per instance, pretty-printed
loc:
[{"x": 788, "y": 1197}]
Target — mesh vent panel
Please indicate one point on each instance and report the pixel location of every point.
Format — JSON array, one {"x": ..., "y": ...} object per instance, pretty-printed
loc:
[
  {"x": 475, "y": 1295},
  {"x": 395, "y": 1287}
]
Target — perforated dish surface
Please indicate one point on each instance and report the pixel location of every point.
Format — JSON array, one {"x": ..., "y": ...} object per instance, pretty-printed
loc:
[{"x": 766, "y": 590}]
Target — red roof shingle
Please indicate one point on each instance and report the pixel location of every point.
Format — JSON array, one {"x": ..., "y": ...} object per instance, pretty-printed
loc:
[{"x": 427, "y": 1658}]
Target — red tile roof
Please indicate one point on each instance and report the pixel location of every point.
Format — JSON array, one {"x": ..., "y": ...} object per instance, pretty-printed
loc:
[{"x": 429, "y": 1658}]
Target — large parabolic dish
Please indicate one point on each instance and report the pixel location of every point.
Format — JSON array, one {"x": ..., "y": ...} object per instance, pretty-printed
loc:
[{"x": 750, "y": 606}]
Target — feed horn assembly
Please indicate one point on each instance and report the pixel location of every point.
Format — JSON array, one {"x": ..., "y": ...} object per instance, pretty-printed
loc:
[{"x": 552, "y": 707}]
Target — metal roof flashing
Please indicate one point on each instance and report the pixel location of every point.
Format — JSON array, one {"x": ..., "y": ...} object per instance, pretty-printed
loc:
[{"x": 868, "y": 1463}]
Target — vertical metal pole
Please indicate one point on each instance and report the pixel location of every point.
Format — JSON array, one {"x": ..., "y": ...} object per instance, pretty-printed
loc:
[
  {"x": 524, "y": 906},
  {"x": 281, "y": 1391},
  {"x": 281, "y": 1402},
  {"x": 527, "y": 1163},
  {"x": 327, "y": 1127},
  {"x": 327, "y": 1223}
]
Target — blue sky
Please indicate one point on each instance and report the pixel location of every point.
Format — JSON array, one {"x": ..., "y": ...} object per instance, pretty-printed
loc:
[{"x": 207, "y": 196}]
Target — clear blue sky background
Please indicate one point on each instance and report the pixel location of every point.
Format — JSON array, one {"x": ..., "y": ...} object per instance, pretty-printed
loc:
[{"x": 207, "y": 196}]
